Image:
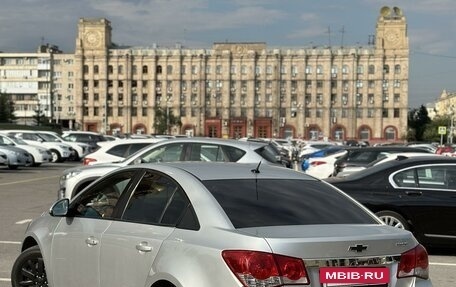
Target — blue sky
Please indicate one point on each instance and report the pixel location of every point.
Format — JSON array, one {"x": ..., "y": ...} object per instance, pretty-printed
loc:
[{"x": 24, "y": 24}]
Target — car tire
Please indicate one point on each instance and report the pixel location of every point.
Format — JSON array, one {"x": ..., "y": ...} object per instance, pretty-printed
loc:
[
  {"x": 55, "y": 156},
  {"x": 394, "y": 219},
  {"x": 29, "y": 266}
]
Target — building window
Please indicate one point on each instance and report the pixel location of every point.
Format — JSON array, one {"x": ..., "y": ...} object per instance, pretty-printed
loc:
[
  {"x": 364, "y": 134},
  {"x": 144, "y": 112},
  {"x": 308, "y": 70},
  {"x": 134, "y": 111},
  {"x": 397, "y": 98},
  {"x": 86, "y": 111},
  {"x": 109, "y": 111},
  {"x": 397, "y": 69},
  {"x": 319, "y": 113},
  {"x": 110, "y": 70},
  {"x": 257, "y": 70},
  {"x": 243, "y": 69},
  {"x": 120, "y": 112},
  {"x": 345, "y": 69},
  {"x": 169, "y": 69},
  {"x": 319, "y": 69},
  {"x": 283, "y": 69},
  {"x": 360, "y": 69},
  {"x": 397, "y": 83},
  {"x": 371, "y": 69},
  {"x": 194, "y": 69},
  {"x": 233, "y": 69},
  {"x": 386, "y": 69},
  {"x": 359, "y": 113},
  {"x": 371, "y": 84},
  {"x": 344, "y": 113},
  {"x": 218, "y": 69},
  {"x": 159, "y": 69},
  {"x": 370, "y": 98},
  {"x": 370, "y": 113},
  {"x": 95, "y": 69},
  {"x": 397, "y": 113},
  {"x": 96, "y": 111},
  {"x": 120, "y": 69},
  {"x": 385, "y": 113},
  {"x": 145, "y": 69},
  {"x": 319, "y": 84},
  {"x": 390, "y": 134},
  {"x": 183, "y": 69},
  {"x": 85, "y": 69}
]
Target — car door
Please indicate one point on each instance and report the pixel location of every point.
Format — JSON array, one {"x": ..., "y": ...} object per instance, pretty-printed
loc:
[
  {"x": 428, "y": 193},
  {"x": 77, "y": 238},
  {"x": 150, "y": 216}
]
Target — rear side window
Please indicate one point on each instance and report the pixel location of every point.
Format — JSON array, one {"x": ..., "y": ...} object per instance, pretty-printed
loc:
[
  {"x": 234, "y": 154},
  {"x": 268, "y": 153},
  {"x": 273, "y": 202},
  {"x": 118, "y": 150}
]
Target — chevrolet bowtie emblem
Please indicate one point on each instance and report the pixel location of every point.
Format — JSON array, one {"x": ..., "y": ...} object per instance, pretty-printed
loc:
[{"x": 357, "y": 248}]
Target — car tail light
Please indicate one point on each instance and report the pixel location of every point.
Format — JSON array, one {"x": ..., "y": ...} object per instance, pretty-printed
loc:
[
  {"x": 414, "y": 263},
  {"x": 317, "y": 162},
  {"x": 254, "y": 268},
  {"x": 88, "y": 160}
]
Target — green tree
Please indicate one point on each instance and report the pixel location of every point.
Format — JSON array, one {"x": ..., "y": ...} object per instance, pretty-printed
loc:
[
  {"x": 6, "y": 109},
  {"x": 431, "y": 134},
  {"x": 418, "y": 119},
  {"x": 164, "y": 120},
  {"x": 40, "y": 118}
]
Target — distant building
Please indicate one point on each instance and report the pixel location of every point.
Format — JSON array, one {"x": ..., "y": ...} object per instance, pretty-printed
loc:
[{"x": 238, "y": 89}]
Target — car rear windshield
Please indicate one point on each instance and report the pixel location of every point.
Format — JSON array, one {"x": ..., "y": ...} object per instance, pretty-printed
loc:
[{"x": 278, "y": 202}]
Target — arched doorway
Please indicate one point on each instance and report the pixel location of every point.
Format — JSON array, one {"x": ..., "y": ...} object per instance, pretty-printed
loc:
[
  {"x": 390, "y": 133},
  {"x": 364, "y": 133},
  {"x": 139, "y": 129}
]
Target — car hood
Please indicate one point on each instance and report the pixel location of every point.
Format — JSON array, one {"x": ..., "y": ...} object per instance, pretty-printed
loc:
[
  {"x": 335, "y": 240},
  {"x": 94, "y": 167}
]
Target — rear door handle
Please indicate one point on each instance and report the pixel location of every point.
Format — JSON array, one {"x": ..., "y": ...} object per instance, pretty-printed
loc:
[
  {"x": 413, "y": 193},
  {"x": 144, "y": 247},
  {"x": 91, "y": 241}
]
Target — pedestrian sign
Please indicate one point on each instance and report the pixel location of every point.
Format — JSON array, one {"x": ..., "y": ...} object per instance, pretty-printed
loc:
[{"x": 442, "y": 130}]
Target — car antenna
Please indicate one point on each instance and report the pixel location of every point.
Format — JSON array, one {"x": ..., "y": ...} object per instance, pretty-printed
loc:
[{"x": 257, "y": 169}]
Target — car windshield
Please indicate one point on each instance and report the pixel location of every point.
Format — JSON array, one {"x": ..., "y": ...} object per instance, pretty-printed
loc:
[
  {"x": 18, "y": 141},
  {"x": 49, "y": 138},
  {"x": 278, "y": 202}
]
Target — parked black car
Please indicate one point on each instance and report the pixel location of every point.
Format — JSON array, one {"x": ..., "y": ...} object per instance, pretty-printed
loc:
[
  {"x": 417, "y": 194},
  {"x": 357, "y": 156}
]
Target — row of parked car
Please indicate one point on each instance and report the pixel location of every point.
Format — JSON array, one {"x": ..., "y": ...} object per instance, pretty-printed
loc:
[
  {"x": 178, "y": 208},
  {"x": 20, "y": 148}
]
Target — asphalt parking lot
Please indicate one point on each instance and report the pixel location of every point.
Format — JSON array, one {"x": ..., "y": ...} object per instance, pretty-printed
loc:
[{"x": 28, "y": 192}]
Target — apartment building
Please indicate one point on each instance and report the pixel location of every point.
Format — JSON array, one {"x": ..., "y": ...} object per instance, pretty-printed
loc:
[{"x": 238, "y": 89}]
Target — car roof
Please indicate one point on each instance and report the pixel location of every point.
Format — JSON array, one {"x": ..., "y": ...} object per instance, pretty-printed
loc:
[{"x": 229, "y": 170}]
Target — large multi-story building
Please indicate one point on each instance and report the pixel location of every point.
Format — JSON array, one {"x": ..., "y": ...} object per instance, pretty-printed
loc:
[{"x": 238, "y": 89}]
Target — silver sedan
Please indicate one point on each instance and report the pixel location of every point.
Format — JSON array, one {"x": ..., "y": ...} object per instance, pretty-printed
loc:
[{"x": 189, "y": 224}]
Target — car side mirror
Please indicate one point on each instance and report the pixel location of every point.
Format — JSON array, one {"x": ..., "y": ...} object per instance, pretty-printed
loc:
[{"x": 60, "y": 208}]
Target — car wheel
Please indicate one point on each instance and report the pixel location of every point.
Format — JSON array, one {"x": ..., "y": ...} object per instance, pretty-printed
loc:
[
  {"x": 394, "y": 219},
  {"x": 28, "y": 269},
  {"x": 55, "y": 155}
]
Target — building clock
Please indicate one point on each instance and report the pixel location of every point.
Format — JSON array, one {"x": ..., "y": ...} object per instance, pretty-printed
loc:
[
  {"x": 392, "y": 38},
  {"x": 92, "y": 39}
]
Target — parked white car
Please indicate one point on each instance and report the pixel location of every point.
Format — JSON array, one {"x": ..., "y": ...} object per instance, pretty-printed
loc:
[
  {"x": 80, "y": 149},
  {"x": 60, "y": 151},
  {"x": 113, "y": 151},
  {"x": 322, "y": 164},
  {"x": 39, "y": 154}
]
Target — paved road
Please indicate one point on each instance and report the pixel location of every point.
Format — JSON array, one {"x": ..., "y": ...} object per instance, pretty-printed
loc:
[{"x": 27, "y": 193}]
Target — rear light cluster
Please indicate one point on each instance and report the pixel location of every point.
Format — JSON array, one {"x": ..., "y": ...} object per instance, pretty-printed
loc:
[
  {"x": 88, "y": 160},
  {"x": 414, "y": 263},
  {"x": 317, "y": 162},
  {"x": 255, "y": 268}
]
